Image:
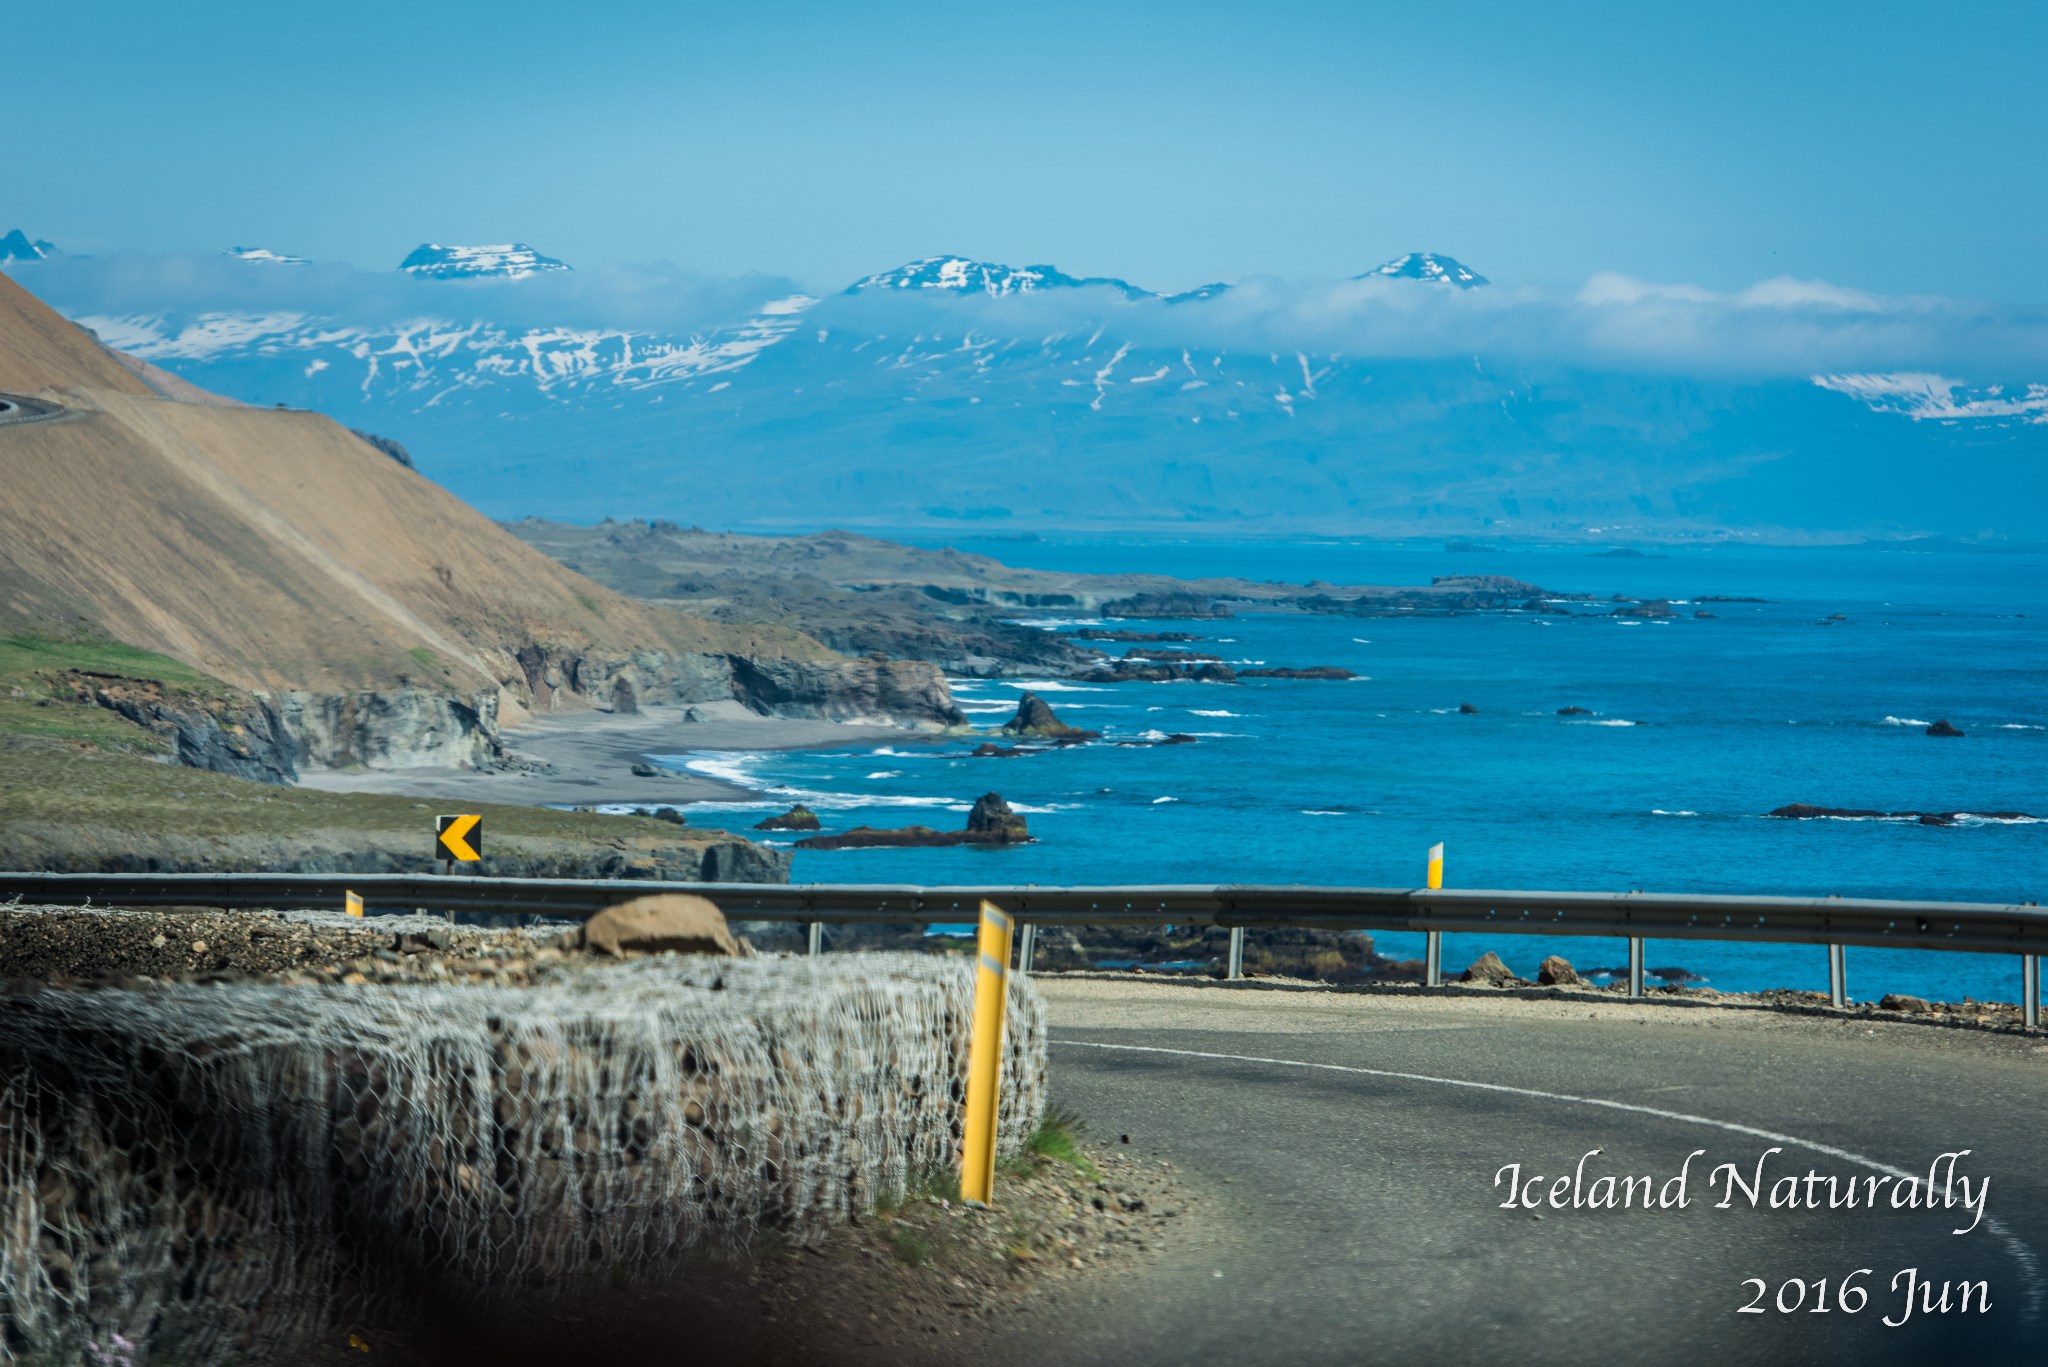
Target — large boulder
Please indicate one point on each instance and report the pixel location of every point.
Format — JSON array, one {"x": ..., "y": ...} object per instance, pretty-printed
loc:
[
  {"x": 666, "y": 922},
  {"x": 1943, "y": 727},
  {"x": 1557, "y": 971},
  {"x": 1489, "y": 969}
]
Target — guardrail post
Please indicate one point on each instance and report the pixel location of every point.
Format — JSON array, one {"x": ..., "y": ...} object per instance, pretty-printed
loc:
[
  {"x": 1234, "y": 964},
  {"x": 1433, "y": 958},
  {"x": 1838, "y": 977},
  {"x": 2030, "y": 991},
  {"x": 1635, "y": 965},
  {"x": 817, "y": 938},
  {"x": 1026, "y": 944}
]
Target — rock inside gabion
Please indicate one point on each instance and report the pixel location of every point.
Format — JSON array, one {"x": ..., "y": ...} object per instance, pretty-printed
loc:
[{"x": 236, "y": 1169}]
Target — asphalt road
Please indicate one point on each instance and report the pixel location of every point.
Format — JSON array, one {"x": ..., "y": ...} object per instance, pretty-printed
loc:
[{"x": 1354, "y": 1215}]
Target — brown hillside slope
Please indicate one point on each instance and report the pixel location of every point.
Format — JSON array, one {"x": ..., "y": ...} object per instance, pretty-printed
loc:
[
  {"x": 278, "y": 552},
  {"x": 39, "y": 348}
]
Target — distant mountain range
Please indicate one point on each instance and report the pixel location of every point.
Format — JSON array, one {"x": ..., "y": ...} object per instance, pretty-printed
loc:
[
  {"x": 17, "y": 247},
  {"x": 952, "y": 389}
]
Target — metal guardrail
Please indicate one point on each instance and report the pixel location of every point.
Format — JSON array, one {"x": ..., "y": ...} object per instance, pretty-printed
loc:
[{"x": 1975, "y": 927}]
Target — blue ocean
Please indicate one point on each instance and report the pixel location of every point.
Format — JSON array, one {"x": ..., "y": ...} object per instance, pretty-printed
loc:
[{"x": 1821, "y": 694}]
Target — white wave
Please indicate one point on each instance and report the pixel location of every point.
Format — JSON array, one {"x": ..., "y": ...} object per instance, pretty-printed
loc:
[
  {"x": 1217, "y": 735},
  {"x": 1659, "y": 811},
  {"x": 1051, "y": 622},
  {"x": 1317, "y": 811},
  {"x": 1628, "y": 624},
  {"x": 1904, "y": 721},
  {"x": 734, "y": 767},
  {"x": 2020, "y": 726},
  {"x": 885, "y": 773},
  {"x": 1601, "y": 721},
  {"x": 1206, "y": 712},
  {"x": 1360, "y": 640},
  {"x": 1157, "y": 800},
  {"x": 1044, "y": 686}
]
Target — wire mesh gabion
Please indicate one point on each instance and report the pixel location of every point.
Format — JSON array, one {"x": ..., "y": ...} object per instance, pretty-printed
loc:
[{"x": 202, "y": 1172}]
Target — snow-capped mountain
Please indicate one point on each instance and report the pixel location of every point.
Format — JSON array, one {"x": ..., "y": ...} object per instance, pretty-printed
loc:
[
  {"x": 1441, "y": 270},
  {"x": 506, "y": 261},
  {"x": 17, "y": 247},
  {"x": 263, "y": 256},
  {"x": 959, "y": 275},
  {"x": 954, "y": 389}
]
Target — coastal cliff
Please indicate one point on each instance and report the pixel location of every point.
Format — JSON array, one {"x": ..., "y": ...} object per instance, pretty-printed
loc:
[{"x": 297, "y": 598}]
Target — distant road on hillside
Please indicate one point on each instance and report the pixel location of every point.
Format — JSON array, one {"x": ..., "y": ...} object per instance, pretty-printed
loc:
[
  {"x": 19, "y": 408},
  {"x": 1355, "y": 1216}
]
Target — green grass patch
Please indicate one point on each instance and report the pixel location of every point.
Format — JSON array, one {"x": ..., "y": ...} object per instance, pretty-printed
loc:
[
  {"x": 913, "y": 1247},
  {"x": 1058, "y": 1140},
  {"x": 22, "y": 658},
  {"x": 80, "y": 723},
  {"x": 424, "y": 657}
]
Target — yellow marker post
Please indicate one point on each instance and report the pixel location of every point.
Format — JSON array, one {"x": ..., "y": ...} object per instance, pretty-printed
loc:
[
  {"x": 352, "y": 903},
  {"x": 1433, "y": 940},
  {"x": 985, "y": 1056}
]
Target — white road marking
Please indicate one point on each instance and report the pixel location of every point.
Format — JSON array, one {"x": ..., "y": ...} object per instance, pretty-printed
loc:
[{"x": 2030, "y": 1266}]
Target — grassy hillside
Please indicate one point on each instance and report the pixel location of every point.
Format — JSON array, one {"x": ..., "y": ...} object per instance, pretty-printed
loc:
[{"x": 34, "y": 699}]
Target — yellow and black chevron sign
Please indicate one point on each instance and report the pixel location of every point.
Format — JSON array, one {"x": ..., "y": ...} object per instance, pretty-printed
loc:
[{"x": 459, "y": 838}]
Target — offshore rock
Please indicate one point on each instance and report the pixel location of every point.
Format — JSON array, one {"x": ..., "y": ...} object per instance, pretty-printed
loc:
[
  {"x": 994, "y": 817},
  {"x": 992, "y": 822},
  {"x": 797, "y": 818},
  {"x": 1331, "y": 672},
  {"x": 1943, "y": 728},
  {"x": 1035, "y": 718}
]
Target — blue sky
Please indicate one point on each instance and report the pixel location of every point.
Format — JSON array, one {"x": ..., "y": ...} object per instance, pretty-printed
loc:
[{"x": 1884, "y": 147}]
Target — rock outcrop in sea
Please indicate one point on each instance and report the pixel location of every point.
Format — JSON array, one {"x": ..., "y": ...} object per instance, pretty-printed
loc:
[
  {"x": 797, "y": 818},
  {"x": 1036, "y": 720},
  {"x": 992, "y": 822}
]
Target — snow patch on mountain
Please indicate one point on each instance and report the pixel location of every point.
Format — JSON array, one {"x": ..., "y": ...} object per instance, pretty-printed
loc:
[
  {"x": 428, "y": 359},
  {"x": 263, "y": 256},
  {"x": 959, "y": 275},
  {"x": 505, "y": 261},
  {"x": 1441, "y": 270},
  {"x": 1926, "y": 397}
]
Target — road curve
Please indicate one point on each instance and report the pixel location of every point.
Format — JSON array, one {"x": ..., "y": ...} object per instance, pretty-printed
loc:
[
  {"x": 1352, "y": 1142},
  {"x": 17, "y": 409}
]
